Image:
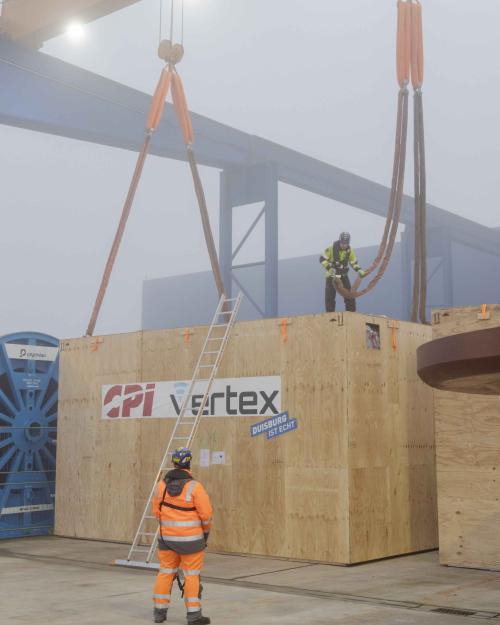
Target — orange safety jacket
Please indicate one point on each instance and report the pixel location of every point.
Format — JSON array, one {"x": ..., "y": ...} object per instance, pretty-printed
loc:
[{"x": 184, "y": 512}]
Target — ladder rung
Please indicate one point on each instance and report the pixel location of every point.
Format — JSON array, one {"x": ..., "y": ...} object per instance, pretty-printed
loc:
[
  {"x": 148, "y": 534},
  {"x": 233, "y": 299},
  {"x": 226, "y": 312},
  {"x": 180, "y": 438},
  {"x": 206, "y": 366},
  {"x": 150, "y": 517},
  {"x": 142, "y": 549},
  {"x": 217, "y": 338},
  {"x": 205, "y": 353}
]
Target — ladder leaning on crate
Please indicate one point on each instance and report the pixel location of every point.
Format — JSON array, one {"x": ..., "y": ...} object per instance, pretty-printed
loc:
[{"x": 187, "y": 424}]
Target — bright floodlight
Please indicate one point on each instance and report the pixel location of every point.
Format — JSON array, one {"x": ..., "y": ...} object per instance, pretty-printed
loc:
[{"x": 76, "y": 32}]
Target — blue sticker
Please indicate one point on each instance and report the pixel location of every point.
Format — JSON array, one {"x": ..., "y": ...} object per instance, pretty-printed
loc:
[
  {"x": 274, "y": 426},
  {"x": 289, "y": 426}
]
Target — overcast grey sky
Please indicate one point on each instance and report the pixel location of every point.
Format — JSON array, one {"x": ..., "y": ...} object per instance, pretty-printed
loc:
[{"x": 317, "y": 76}]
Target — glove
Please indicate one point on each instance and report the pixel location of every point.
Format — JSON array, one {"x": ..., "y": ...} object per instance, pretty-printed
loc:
[{"x": 206, "y": 534}]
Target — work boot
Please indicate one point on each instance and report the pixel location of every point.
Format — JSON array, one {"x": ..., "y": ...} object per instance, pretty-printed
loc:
[
  {"x": 160, "y": 616},
  {"x": 197, "y": 619}
]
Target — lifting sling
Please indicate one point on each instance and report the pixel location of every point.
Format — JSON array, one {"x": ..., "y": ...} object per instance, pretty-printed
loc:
[
  {"x": 169, "y": 81},
  {"x": 410, "y": 64}
]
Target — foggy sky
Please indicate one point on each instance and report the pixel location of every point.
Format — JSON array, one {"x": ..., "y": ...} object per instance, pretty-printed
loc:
[{"x": 316, "y": 76}]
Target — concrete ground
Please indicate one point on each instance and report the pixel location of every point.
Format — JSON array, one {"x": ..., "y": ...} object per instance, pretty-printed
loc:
[{"x": 58, "y": 581}]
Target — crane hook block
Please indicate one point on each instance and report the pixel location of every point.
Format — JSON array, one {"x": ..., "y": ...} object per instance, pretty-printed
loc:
[{"x": 170, "y": 53}]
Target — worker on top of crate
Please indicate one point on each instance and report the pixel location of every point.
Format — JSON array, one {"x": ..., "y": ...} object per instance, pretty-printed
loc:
[
  {"x": 336, "y": 260},
  {"x": 184, "y": 512}
]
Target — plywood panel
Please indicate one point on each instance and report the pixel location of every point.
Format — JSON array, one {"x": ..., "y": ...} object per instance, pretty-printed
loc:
[
  {"x": 469, "y": 532},
  {"x": 392, "y": 483},
  {"x": 272, "y": 504},
  {"x": 356, "y": 453},
  {"x": 468, "y": 459},
  {"x": 96, "y": 462},
  {"x": 447, "y": 321},
  {"x": 315, "y": 361}
]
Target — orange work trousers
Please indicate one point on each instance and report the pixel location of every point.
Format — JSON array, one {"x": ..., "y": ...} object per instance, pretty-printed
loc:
[{"x": 191, "y": 565}]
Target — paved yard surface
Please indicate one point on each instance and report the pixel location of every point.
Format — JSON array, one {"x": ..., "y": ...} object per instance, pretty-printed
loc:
[{"x": 58, "y": 581}]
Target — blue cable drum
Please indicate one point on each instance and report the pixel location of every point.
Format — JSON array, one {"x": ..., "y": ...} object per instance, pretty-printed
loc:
[{"x": 29, "y": 370}]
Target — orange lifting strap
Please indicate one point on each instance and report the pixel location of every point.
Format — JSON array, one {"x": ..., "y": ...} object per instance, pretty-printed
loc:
[
  {"x": 169, "y": 80},
  {"x": 403, "y": 51},
  {"x": 409, "y": 65}
]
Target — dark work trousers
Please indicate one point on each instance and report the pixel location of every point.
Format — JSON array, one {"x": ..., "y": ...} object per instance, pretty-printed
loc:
[{"x": 331, "y": 295}]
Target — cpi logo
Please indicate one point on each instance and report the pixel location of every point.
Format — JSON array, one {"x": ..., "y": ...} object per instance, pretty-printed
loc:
[{"x": 122, "y": 399}]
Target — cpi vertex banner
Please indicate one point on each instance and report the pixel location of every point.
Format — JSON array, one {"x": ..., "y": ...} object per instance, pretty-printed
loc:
[{"x": 238, "y": 397}]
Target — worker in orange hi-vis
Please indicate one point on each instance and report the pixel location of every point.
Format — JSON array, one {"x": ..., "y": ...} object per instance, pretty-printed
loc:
[{"x": 184, "y": 512}]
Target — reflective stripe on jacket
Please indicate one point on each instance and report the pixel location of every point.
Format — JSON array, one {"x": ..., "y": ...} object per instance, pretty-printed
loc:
[
  {"x": 336, "y": 261},
  {"x": 185, "y": 518}
]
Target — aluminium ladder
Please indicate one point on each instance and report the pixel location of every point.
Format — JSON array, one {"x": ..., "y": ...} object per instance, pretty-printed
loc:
[{"x": 187, "y": 424}]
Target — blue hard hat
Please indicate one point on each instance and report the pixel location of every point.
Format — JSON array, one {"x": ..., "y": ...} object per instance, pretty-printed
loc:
[{"x": 182, "y": 457}]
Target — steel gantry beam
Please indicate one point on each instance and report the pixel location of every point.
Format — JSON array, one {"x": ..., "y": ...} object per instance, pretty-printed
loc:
[{"x": 45, "y": 94}]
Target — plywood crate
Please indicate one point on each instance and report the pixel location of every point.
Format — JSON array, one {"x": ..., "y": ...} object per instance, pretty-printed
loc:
[
  {"x": 468, "y": 458},
  {"x": 354, "y": 482}
]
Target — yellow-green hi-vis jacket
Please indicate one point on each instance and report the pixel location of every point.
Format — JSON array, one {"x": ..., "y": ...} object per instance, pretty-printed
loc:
[{"x": 336, "y": 261}]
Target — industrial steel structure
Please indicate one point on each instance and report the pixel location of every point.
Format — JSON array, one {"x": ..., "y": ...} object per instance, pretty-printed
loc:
[{"x": 45, "y": 94}]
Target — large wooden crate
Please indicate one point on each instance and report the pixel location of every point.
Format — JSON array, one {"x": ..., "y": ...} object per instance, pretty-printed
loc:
[
  {"x": 468, "y": 458},
  {"x": 354, "y": 482}
]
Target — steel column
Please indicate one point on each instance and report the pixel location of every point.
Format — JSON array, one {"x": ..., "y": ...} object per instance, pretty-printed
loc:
[
  {"x": 447, "y": 268},
  {"x": 239, "y": 187},
  {"x": 226, "y": 232},
  {"x": 407, "y": 251},
  {"x": 271, "y": 245},
  {"x": 439, "y": 246}
]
